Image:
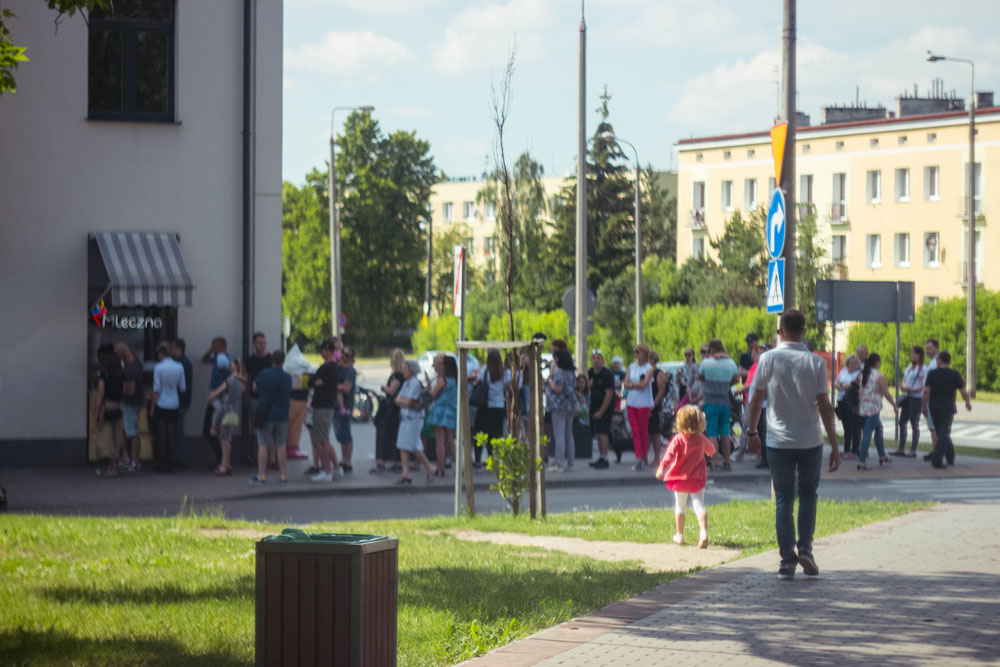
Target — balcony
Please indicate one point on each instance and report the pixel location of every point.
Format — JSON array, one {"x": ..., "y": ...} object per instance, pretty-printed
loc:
[
  {"x": 697, "y": 220},
  {"x": 838, "y": 213},
  {"x": 963, "y": 273},
  {"x": 963, "y": 207}
]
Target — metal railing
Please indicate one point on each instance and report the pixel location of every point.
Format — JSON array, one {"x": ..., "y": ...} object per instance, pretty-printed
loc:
[
  {"x": 838, "y": 212},
  {"x": 697, "y": 219},
  {"x": 963, "y": 206}
]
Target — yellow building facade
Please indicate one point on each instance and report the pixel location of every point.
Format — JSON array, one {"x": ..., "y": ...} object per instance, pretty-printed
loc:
[{"x": 889, "y": 195}]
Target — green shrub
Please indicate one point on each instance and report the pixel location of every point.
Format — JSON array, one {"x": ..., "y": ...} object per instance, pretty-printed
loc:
[{"x": 511, "y": 463}]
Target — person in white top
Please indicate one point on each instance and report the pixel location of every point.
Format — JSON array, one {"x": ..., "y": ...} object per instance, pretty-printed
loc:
[
  {"x": 909, "y": 408},
  {"x": 848, "y": 413},
  {"x": 639, "y": 402},
  {"x": 931, "y": 347},
  {"x": 168, "y": 385},
  {"x": 794, "y": 382}
]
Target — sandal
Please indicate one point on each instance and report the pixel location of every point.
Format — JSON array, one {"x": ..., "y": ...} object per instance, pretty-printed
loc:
[
  {"x": 403, "y": 481},
  {"x": 884, "y": 459},
  {"x": 899, "y": 452},
  {"x": 439, "y": 473},
  {"x": 219, "y": 472},
  {"x": 430, "y": 479},
  {"x": 863, "y": 466}
]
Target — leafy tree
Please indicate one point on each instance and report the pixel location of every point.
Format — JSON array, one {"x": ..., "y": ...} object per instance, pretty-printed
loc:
[
  {"x": 386, "y": 184},
  {"x": 811, "y": 266},
  {"x": 12, "y": 55},
  {"x": 610, "y": 211},
  {"x": 742, "y": 259},
  {"x": 305, "y": 257},
  {"x": 615, "y": 309}
]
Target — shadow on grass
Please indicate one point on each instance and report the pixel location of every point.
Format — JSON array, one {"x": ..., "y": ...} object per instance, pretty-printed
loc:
[
  {"x": 29, "y": 647},
  {"x": 236, "y": 589},
  {"x": 486, "y": 595}
]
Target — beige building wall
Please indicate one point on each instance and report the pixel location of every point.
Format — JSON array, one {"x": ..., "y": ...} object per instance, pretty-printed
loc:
[{"x": 883, "y": 192}]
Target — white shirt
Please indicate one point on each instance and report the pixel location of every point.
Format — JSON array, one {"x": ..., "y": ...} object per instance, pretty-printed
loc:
[
  {"x": 845, "y": 377},
  {"x": 793, "y": 377},
  {"x": 914, "y": 377},
  {"x": 639, "y": 398},
  {"x": 168, "y": 382}
]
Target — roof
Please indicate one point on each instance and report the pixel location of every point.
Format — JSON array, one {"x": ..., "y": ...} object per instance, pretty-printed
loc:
[{"x": 878, "y": 122}]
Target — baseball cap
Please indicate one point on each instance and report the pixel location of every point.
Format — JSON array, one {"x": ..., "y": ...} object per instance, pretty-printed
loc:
[{"x": 617, "y": 360}]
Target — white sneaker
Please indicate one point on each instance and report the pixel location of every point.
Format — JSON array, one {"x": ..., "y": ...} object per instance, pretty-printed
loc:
[
  {"x": 322, "y": 477},
  {"x": 554, "y": 467}
]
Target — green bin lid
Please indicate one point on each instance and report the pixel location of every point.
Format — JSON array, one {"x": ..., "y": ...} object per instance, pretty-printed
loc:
[{"x": 296, "y": 535}]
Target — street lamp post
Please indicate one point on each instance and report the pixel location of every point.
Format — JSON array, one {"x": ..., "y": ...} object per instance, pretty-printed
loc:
[
  {"x": 336, "y": 304},
  {"x": 638, "y": 239},
  {"x": 970, "y": 331}
]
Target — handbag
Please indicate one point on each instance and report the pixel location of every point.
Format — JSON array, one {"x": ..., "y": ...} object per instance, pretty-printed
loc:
[
  {"x": 852, "y": 396},
  {"x": 480, "y": 396},
  {"x": 424, "y": 401}
]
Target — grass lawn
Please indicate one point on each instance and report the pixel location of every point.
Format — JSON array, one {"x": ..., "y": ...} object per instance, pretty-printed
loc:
[
  {"x": 987, "y": 396},
  {"x": 179, "y": 591}
]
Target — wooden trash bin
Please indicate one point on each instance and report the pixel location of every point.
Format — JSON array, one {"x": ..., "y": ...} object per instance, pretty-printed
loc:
[{"x": 326, "y": 600}]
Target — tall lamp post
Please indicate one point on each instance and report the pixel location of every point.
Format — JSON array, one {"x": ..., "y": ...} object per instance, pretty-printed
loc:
[
  {"x": 638, "y": 238},
  {"x": 970, "y": 331},
  {"x": 336, "y": 304}
]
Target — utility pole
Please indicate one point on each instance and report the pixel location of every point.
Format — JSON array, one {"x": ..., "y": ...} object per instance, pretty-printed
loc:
[
  {"x": 970, "y": 315},
  {"x": 787, "y": 183},
  {"x": 430, "y": 261},
  {"x": 580, "y": 331}
]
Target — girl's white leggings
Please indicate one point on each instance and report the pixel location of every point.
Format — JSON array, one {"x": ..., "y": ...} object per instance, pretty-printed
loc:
[{"x": 697, "y": 501}]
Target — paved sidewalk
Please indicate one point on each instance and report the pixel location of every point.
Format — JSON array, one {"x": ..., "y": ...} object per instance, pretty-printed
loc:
[{"x": 919, "y": 589}]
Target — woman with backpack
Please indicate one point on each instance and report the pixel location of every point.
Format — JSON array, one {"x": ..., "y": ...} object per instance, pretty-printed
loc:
[
  {"x": 872, "y": 387},
  {"x": 847, "y": 406}
]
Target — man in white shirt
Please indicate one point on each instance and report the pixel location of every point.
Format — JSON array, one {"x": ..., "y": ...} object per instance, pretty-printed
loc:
[
  {"x": 794, "y": 382},
  {"x": 932, "y": 348},
  {"x": 168, "y": 385}
]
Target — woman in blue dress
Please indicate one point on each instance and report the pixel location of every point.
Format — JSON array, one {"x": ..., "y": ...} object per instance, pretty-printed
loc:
[{"x": 444, "y": 410}]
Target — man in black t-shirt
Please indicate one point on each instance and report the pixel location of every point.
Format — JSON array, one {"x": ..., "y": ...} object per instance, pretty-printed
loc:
[
  {"x": 602, "y": 393},
  {"x": 324, "y": 404},
  {"x": 254, "y": 364},
  {"x": 939, "y": 395},
  {"x": 746, "y": 359}
]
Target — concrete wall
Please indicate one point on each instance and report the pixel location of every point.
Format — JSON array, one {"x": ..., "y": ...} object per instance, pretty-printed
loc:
[{"x": 62, "y": 176}]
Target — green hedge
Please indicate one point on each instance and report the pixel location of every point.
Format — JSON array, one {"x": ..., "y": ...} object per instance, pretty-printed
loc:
[{"x": 946, "y": 322}]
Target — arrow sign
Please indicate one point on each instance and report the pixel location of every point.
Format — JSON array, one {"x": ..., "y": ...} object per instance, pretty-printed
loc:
[
  {"x": 776, "y": 286},
  {"x": 775, "y": 231}
]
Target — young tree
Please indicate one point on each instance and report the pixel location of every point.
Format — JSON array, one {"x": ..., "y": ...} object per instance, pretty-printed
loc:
[
  {"x": 386, "y": 184},
  {"x": 811, "y": 266}
]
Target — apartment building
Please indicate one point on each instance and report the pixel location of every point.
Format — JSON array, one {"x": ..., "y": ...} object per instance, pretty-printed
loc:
[
  {"x": 453, "y": 202},
  {"x": 888, "y": 189}
]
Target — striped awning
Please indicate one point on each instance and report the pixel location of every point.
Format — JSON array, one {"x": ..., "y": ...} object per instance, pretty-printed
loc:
[{"x": 145, "y": 268}]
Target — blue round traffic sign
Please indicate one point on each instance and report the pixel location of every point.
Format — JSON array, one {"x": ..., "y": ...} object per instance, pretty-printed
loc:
[{"x": 774, "y": 233}]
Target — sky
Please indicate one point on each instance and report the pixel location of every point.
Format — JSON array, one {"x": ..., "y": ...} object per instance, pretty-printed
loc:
[{"x": 674, "y": 68}]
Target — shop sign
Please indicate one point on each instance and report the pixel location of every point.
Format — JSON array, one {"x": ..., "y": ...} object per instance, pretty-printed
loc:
[{"x": 108, "y": 320}]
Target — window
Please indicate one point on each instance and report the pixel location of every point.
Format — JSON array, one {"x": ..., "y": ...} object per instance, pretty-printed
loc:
[
  {"x": 838, "y": 212},
  {"x": 698, "y": 157},
  {"x": 932, "y": 137},
  {"x": 932, "y": 249},
  {"x": 902, "y": 250},
  {"x": 750, "y": 193},
  {"x": 448, "y": 211},
  {"x": 806, "y": 148},
  {"x": 930, "y": 300},
  {"x": 873, "y": 143},
  {"x": 489, "y": 246},
  {"x": 130, "y": 61},
  {"x": 901, "y": 140},
  {"x": 838, "y": 253},
  {"x": 873, "y": 180},
  {"x": 902, "y": 185},
  {"x": 726, "y": 155},
  {"x": 727, "y": 195},
  {"x": 751, "y": 153},
  {"x": 772, "y": 185},
  {"x": 965, "y": 257},
  {"x": 840, "y": 145},
  {"x": 469, "y": 210},
  {"x": 490, "y": 211},
  {"x": 698, "y": 247},
  {"x": 979, "y": 188},
  {"x": 873, "y": 251},
  {"x": 698, "y": 199},
  {"x": 806, "y": 189},
  {"x": 932, "y": 183}
]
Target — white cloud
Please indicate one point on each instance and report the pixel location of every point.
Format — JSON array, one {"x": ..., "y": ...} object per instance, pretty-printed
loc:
[
  {"x": 481, "y": 36},
  {"x": 361, "y": 54}
]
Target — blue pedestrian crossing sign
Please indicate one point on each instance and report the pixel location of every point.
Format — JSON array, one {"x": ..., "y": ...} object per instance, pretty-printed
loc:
[
  {"x": 775, "y": 232},
  {"x": 776, "y": 286}
]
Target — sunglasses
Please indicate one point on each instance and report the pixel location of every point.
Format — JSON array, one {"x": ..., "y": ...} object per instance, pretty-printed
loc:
[
  {"x": 705, "y": 351},
  {"x": 689, "y": 354}
]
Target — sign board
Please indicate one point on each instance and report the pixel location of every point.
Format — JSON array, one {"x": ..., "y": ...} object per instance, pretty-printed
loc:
[
  {"x": 778, "y": 135},
  {"x": 588, "y": 325},
  {"x": 776, "y": 286},
  {"x": 459, "y": 287},
  {"x": 774, "y": 233},
  {"x": 864, "y": 301},
  {"x": 569, "y": 302}
]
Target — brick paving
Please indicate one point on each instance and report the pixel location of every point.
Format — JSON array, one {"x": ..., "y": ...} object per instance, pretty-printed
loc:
[{"x": 919, "y": 589}]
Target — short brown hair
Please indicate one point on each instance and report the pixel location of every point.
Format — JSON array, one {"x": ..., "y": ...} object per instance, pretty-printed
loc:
[
  {"x": 690, "y": 420},
  {"x": 559, "y": 344},
  {"x": 715, "y": 345},
  {"x": 793, "y": 322}
]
